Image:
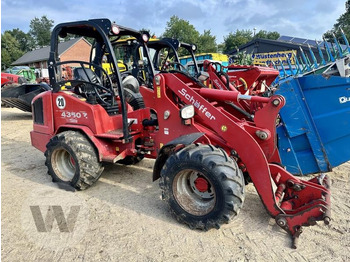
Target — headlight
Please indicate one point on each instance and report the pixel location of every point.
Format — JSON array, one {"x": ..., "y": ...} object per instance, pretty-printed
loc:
[
  {"x": 187, "y": 112},
  {"x": 115, "y": 29},
  {"x": 145, "y": 38}
]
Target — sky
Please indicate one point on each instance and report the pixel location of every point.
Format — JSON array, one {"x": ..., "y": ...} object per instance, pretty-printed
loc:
[{"x": 299, "y": 18}]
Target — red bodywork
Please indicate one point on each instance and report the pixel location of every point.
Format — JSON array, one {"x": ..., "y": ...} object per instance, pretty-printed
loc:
[
  {"x": 79, "y": 115},
  {"x": 7, "y": 78},
  {"x": 295, "y": 203},
  {"x": 251, "y": 80},
  {"x": 252, "y": 142},
  {"x": 248, "y": 80}
]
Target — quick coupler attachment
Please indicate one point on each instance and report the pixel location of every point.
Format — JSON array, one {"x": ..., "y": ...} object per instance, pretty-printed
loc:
[{"x": 303, "y": 204}]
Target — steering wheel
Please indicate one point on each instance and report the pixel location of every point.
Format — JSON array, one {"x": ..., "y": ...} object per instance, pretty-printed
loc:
[
  {"x": 167, "y": 64},
  {"x": 103, "y": 89},
  {"x": 88, "y": 83},
  {"x": 85, "y": 88},
  {"x": 181, "y": 66}
]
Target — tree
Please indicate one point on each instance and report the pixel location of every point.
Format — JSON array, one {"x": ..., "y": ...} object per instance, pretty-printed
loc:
[
  {"x": 40, "y": 30},
  {"x": 267, "y": 35},
  {"x": 241, "y": 37},
  {"x": 10, "y": 50},
  {"x": 182, "y": 30},
  {"x": 342, "y": 22},
  {"x": 234, "y": 40},
  {"x": 207, "y": 43},
  {"x": 185, "y": 32},
  {"x": 220, "y": 47},
  {"x": 25, "y": 40}
]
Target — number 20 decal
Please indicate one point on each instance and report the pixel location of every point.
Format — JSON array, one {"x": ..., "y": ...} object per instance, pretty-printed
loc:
[{"x": 60, "y": 102}]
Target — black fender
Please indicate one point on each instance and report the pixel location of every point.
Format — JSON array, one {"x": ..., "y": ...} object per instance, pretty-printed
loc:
[{"x": 169, "y": 148}]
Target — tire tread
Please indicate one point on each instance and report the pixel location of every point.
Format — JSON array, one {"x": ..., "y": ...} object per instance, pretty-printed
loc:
[
  {"x": 224, "y": 169},
  {"x": 90, "y": 169}
]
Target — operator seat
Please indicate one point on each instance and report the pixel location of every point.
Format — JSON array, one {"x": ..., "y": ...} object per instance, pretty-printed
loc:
[{"x": 87, "y": 75}]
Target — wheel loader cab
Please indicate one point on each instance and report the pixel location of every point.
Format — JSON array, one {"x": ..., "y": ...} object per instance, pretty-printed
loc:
[
  {"x": 89, "y": 80},
  {"x": 90, "y": 92},
  {"x": 165, "y": 54},
  {"x": 83, "y": 92},
  {"x": 131, "y": 51}
]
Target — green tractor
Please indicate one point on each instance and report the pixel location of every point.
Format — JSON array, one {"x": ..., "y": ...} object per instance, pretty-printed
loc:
[{"x": 24, "y": 71}]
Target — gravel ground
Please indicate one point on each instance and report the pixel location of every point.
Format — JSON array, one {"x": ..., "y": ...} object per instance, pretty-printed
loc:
[{"x": 122, "y": 217}]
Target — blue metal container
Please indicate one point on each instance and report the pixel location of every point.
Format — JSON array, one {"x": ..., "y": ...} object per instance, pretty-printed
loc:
[{"x": 314, "y": 135}]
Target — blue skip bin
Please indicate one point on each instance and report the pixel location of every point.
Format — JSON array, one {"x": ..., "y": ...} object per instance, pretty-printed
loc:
[{"x": 314, "y": 135}]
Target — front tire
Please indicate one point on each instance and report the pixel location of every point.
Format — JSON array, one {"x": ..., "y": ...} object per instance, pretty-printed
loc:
[
  {"x": 202, "y": 186},
  {"x": 71, "y": 159}
]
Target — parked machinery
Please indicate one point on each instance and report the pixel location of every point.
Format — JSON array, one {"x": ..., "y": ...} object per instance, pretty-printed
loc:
[{"x": 205, "y": 151}]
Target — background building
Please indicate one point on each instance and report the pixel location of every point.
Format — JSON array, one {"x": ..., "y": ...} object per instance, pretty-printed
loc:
[
  {"x": 281, "y": 47},
  {"x": 74, "y": 49}
]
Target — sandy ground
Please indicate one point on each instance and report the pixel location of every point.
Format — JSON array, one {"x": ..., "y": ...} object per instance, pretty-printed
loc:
[{"x": 122, "y": 217}]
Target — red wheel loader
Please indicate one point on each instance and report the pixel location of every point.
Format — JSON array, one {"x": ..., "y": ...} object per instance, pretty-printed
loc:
[{"x": 205, "y": 151}]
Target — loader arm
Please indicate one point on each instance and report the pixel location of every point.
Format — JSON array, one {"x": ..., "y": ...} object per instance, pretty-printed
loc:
[
  {"x": 241, "y": 141},
  {"x": 295, "y": 203}
]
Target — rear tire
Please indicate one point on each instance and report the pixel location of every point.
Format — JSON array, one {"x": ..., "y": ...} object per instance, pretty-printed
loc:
[
  {"x": 71, "y": 159},
  {"x": 132, "y": 92},
  {"x": 202, "y": 186},
  {"x": 135, "y": 100}
]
